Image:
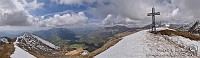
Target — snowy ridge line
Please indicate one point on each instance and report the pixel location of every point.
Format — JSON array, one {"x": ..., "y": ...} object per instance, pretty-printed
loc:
[
  {"x": 36, "y": 44},
  {"x": 20, "y": 53},
  {"x": 125, "y": 47},
  {"x": 40, "y": 39},
  {"x": 143, "y": 44},
  {"x": 46, "y": 42},
  {"x": 186, "y": 42},
  {"x": 183, "y": 42}
]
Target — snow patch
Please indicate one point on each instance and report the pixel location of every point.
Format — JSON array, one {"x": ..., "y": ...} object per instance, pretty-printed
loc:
[
  {"x": 146, "y": 45},
  {"x": 130, "y": 46},
  {"x": 20, "y": 53},
  {"x": 4, "y": 40},
  {"x": 26, "y": 35},
  {"x": 46, "y": 42}
]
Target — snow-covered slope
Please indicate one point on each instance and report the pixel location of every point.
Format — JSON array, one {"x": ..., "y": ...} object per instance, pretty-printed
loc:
[
  {"x": 27, "y": 35},
  {"x": 46, "y": 42},
  {"x": 20, "y": 53},
  {"x": 4, "y": 40},
  {"x": 146, "y": 45},
  {"x": 36, "y": 45}
]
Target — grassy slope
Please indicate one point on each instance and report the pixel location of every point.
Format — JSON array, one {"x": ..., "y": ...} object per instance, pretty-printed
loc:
[
  {"x": 179, "y": 33},
  {"x": 6, "y": 50}
]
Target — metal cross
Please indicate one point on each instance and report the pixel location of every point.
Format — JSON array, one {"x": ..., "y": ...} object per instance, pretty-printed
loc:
[{"x": 153, "y": 26}]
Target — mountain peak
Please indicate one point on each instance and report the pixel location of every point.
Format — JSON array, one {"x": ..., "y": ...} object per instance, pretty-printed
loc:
[
  {"x": 144, "y": 44},
  {"x": 4, "y": 40},
  {"x": 27, "y": 34},
  {"x": 55, "y": 33},
  {"x": 30, "y": 42}
]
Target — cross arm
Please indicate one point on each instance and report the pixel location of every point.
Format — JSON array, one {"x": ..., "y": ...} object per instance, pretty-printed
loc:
[
  {"x": 149, "y": 14},
  {"x": 157, "y": 13}
]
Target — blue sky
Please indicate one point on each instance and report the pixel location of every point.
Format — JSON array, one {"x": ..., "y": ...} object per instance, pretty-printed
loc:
[{"x": 52, "y": 8}]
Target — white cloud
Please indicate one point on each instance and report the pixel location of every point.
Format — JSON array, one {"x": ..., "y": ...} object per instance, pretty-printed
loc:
[
  {"x": 123, "y": 10},
  {"x": 64, "y": 20},
  {"x": 19, "y": 18},
  {"x": 11, "y": 5},
  {"x": 32, "y": 5},
  {"x": 68, "y": 1},
  {"x": 13, "y": 14},
  {"x": 35, "y": 5},
  {"x": 73, "y": 2},
  {"x": 175, "y": 11},
  {"x": 188, "y": 8},
  {"x": 111, "y": 20}
]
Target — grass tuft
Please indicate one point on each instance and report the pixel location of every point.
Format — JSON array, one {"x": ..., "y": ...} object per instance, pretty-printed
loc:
[
  {"x": 179, "y": 33},
  {"x": 6, "y": 50}
]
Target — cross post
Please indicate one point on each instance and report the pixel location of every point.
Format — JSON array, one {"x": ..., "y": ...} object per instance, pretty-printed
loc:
[{"x": 153, "y": 25}]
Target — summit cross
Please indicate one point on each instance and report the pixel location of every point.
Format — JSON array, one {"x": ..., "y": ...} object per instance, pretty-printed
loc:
[{"x": 153, "y": 26}]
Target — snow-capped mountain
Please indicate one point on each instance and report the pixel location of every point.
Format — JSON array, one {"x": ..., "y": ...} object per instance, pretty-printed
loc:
[
  {"x": 158, "y": 24},
  {"x": 144, "y": 44},
  {"x": 4, "y": 40},
  {"x": 193, "y": 27},
  {"x": 186, "y": 27},
  {"x": 35, "y": 45},
  {"x": 164, "y": 24}
]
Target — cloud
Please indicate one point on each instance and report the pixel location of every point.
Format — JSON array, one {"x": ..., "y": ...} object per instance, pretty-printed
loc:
[
  {"x": 67, "y": 2},
  {"x": 73, "y": 2},
  {"x": 174, "y": 11},
  {"x": 12, "y": 13},
  {"x": 16, "y": 12},
  {"x": 14, "y": 19},
  {"x": 122, "y": 10},
  {"x": 111, "y": 20},
  {"x": 32, "y": 5},
  {"x": 11, "y": 5},
  {"x": 64, "y": 20},
  {"x": 189, "y": 9}
]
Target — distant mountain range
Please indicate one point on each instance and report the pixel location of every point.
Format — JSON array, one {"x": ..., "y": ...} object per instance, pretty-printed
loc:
[
  {"x": 39, "y": 43},
  {"x": 164, "y": 24},
  {"x": 52, "y": 41},
  {"x": 4, "y": 34},
  {"x": 55, "y": 33},
  {"x": 102, "y": 35},
  {"x": 193, "y": 27},
  {"x": 69, "y": 39},
  {"x": 108, "y": 32}
]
